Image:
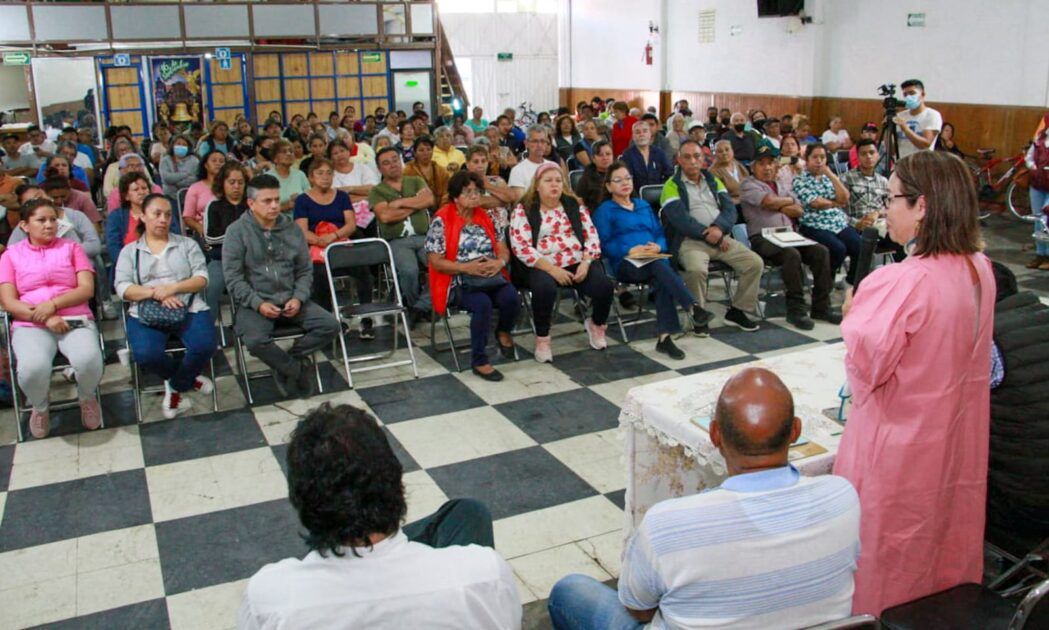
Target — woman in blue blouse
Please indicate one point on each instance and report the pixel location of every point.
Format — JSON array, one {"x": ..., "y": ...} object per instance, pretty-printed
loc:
[
  {"x": 822, "y": 197},
  {"x": 324, "y": 204},
  {"x": 629, "y": 232}
]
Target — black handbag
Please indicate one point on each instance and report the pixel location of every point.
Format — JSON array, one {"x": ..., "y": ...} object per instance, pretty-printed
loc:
[{"x": 154, "y": 314}]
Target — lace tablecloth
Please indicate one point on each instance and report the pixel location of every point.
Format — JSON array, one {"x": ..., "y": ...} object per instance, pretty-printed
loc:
[{"x": 670, "y": 456}]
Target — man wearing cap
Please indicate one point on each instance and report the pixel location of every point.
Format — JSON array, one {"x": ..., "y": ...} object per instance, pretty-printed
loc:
[
  {"x": 700, "y": 216},
  {"x": 765, "y": 206},
  {"x": 771, "y": 132}
]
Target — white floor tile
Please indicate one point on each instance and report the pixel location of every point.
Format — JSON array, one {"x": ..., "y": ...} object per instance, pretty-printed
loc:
[
  {"x": 116, "y": 548},
  {"x": 211, "y": 608},
  {"x": 530, "y": 532},
  {"x": 43, "y": 563},
  {"x": 523, "y": 379},
  {"x": 606, "y": 550},
  {"x": 422, "y": 495},
  {"x": 459, "y": 436},
  {"x": 75, "y": 457},
  {"x": 523, "y": 591},
  {"x": 39, "y": 603},
  {"x": 119, "y": 586},
  {"x": 596, "y": 457},
  {"x": 215, "y": 483},
  {"x": 540, "y": 571},
  {"x": 698, "y": 350},
  {"x": 615, "y": 392}
]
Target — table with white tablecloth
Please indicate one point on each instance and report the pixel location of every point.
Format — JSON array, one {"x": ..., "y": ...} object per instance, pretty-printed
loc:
[{"x": 668, "y": 455}]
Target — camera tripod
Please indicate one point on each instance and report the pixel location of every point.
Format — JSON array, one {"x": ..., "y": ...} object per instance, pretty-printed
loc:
[{"x": 888, "y": 143}]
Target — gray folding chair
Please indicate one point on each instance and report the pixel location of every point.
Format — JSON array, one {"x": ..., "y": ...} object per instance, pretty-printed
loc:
[
  {"x": 574, "y": 177},
  {"x": 282, "y": 331},
  {"x": 60, "y": 363},
  {"x": 174, "y": 346},
  {"x": 339, "y": 260}
]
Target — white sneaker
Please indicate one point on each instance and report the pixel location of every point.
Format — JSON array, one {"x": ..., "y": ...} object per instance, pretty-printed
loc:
[
  {"x": 174, "y": 402},
  {"x": 543, "y": 354},
  {"x": 203, "y": 385}
]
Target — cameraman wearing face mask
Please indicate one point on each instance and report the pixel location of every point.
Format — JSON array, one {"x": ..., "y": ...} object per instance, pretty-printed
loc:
[{"x": 918, "y": 125}]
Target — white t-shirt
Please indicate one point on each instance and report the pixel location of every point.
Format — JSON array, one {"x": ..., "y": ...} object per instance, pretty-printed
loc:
[
  {"x": 928, "y": 119},
  {"x": 47, "y": 146},
  {"x": 522, "y": 174},
  {"x": 395, "y": 584},
  {"x": 361, "y": 175},
  {"x": 838, "y": 138}
]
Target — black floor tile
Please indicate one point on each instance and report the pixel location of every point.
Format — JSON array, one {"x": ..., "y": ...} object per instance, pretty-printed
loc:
[
  {"x": 618, "y": 497},
  {"x": 512, "y": 483},
  {"x": 408, "y": 400},
  {"x": 407, "y": 462},
  {"x": 831, "y": 342},
  {"x": 563, "y": 415},
  {"x": 71, "y": 509},
  {"x": 118, "y": 408},
  {"x": 193, "y": 437},
  {"x": 7, "y": 454},
  {"x": 713, "y": 365},
  {"x": 588, "y": 367},
  {"x": 220, "y": 547},
  {"x": 770, "y": 337},
  {"x": 148, "y": 614},
  {"x": 280, "y": 451}
]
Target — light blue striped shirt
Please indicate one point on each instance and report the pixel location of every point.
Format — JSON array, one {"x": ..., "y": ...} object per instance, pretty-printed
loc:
[{"x": 770, "y": 549}]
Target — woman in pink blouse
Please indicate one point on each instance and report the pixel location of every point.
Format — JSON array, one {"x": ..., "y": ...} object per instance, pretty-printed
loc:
[
  {"x": 45, "y": 285},
  {"x": 201, "y": 194},
  {"x": 552, "y": 235}
]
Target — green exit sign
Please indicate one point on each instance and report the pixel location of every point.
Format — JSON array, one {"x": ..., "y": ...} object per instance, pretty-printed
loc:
[
  {"x": 504, "y": 56},
  {"x": 19, "y": 58},
  {"x": 371, "y": 57}
]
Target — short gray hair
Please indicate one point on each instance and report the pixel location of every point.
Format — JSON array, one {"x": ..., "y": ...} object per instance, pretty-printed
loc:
[
  {"x": 441, "y": 131},
  {"x": 128, "y": 156}
]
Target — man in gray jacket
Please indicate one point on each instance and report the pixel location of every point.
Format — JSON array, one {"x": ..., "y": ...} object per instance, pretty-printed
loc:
[{"x": 269, "y": 275}]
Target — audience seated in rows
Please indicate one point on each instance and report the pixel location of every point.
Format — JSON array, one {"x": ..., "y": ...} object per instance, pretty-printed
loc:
[
  {"x": 741, "y": 555},
  {"x": 423, "y": 167},
  {"x": 401, "y": 203},
  {"x": 269, "y": 276},
  {"x": 230, "y": 190},
  {"x": 129, "y": 163},
  {"x": 791, "y": 163},
  {"x": 46, "y": 282},
  {"x": 648, "y": 164},
  {"x": 622, "y": 129},
  {"x": 202, "y": 191},
  {"x": 522, "y": 175},
  {"x": 292, "y": 181},
  {"x": 742, "y": 142},
  {"x": 468, "y": 261},
  {"x": 728, "y": 169},
  {"x": 822, "y": 196},
  {"x": 122, "y": 223},
  {"x": 700, "y": 216},
  {"x": 766, "y": 205},
  {"x": 556, "y": 242},
  {"x": 836, "y": 137},
  {"x": 444, "y": 154},
  {"x": 868, "y": 132},
  {"x": 18, "y": 164},
  {"x": 179, "y": 167},
  {"x": 633, "y": 242},
  {"x": 167, "y": 270}
]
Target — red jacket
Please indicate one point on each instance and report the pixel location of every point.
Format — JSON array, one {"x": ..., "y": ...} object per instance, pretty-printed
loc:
[
  {"x": 453, "y": 225},
  {"x": 622, "y": 135}
]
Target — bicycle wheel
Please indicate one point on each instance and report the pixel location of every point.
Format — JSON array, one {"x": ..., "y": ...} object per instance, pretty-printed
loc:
[{"x": 1018, "y": 198}]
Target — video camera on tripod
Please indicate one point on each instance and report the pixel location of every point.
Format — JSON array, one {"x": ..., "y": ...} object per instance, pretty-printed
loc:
[{"x": 887, "y": 138}]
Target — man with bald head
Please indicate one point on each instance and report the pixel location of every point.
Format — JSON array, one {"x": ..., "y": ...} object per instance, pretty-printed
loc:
[{"x": 768, "y": 548}]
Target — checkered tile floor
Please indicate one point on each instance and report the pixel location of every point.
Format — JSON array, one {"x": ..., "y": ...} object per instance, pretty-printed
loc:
[{"x": 160, "y": 524}]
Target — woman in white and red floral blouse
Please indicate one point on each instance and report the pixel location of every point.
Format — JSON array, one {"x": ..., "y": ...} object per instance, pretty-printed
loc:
[{"x": 552, "y": 235}]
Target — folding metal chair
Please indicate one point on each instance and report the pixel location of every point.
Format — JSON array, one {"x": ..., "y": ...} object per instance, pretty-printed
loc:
[
  {"x": 174, "y": 346},
  {"x": 282, "y": 331},
  {"x": 339, "y": 259},
  {"x": 574, "y": 177},
  {"x": 454, "y": 347},
  {"x": 59, "y": 364},
  {"x": 205, "y": 243}
]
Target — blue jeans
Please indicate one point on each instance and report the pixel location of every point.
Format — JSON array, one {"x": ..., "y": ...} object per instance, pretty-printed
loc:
[
  {"x": 479, "y": 303},
  {"x": 1039, "y": 198},
  {"x": 197, "y": 336},
  {"x": 844, "y": 243},
  {"x": 668, "y": 286},
  {"x": 579, "y": 602}
]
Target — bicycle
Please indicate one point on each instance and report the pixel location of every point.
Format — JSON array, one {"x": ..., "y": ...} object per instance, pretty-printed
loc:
[
  {"x": 526, "y": 116},
  {"x": 998, "y": 189}
]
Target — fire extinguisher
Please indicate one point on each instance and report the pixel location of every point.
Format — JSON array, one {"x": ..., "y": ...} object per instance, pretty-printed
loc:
[{"x": 648, "y": 53}]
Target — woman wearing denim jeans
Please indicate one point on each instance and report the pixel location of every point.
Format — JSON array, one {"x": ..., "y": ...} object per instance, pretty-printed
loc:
[{"x": 170, "y": 269}]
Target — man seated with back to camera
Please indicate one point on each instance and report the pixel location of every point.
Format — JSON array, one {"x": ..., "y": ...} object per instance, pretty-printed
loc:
[
  {"x": 364, "y": 570},
  {"x": 768, "y": 548},
  {"x": 868, "y": 194},
  {"x": 699, "y": 217},
  {"x": 269, "y": 275},
  {"x": 766, "y": 206}
]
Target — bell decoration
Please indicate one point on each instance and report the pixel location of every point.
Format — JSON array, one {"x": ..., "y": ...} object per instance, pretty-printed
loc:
[{"x": 181, "y": 113}]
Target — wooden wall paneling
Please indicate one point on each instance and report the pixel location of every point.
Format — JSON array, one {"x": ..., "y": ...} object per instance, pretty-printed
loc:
[
  {"x": 371, "y": 103},
  {"x": 131, "y": 119},
  {"x": 124, "y": 97},
  {"x": 348, "y": 87},
  {"x": 122, "y": 75},
  {"x": 347, "y": 64},
  {"x": 374, "y": 86},
  {"x": 227, "y": 96},
  {"x": 225, "y": 76},
  {"x": 322, "y": 63},
  {"x": 266, "y": 65},
  {"x": 374, "y": 67},
  {"x": 323, "y": 88},
  {"x": 294, "y": 64}
]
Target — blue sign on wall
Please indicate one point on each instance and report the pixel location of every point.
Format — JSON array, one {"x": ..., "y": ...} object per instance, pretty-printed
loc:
[{"x": 122, "y": 60}]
